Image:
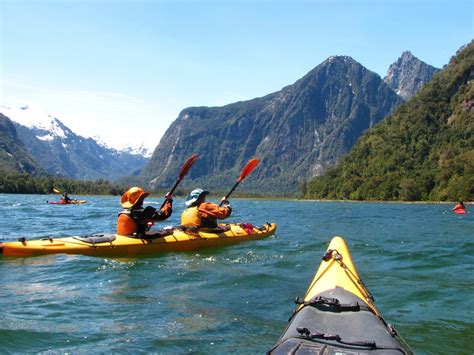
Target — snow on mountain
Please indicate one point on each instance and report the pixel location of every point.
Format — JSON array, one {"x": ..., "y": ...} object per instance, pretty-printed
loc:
[
  {"x": 48, "y": 128},
  {"x": 34, "y": 117},
  {"x": 28, "y": 116},
  {"x": 147, "y": 152},
  {"x": 60, "y": 151},
  {"x": 134, "y": 150}
]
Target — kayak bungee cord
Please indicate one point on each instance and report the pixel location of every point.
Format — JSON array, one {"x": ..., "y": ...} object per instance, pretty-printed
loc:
[
  {"x": 358, "y": 283},
  {"x": 305, "y": 333}
]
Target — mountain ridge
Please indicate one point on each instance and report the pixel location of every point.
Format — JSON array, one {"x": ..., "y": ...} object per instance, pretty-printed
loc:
[
  {"x": 310, "y": 124},
  {"x": 424, "y": 151},
  {"x": 13, "y": 154},
  {"x": 60, "y": 151}
]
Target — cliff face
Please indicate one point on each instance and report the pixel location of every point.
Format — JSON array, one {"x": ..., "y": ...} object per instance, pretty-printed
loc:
[
  {"x": 297, "y": 132},
  {"x": 408, "y": 74}
]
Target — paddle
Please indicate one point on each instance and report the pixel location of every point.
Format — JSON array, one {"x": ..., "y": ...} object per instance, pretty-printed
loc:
[
  {"x": 252, "y": 164},
  {"x": 182, "y": 172},
  {"x": 55, "y": 190}
]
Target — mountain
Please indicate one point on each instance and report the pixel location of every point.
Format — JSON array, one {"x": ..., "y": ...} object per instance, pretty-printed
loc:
[
  {"x": 13, "y": 154},
  {"x": 424, "y": 151},
  {"x": 408, "y": 74},
  {"x": 298, "y": 131},
  {"x": 62, "y": 152}
]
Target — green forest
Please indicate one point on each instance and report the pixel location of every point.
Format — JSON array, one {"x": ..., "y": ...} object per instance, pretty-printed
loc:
[
  {"x": 424, "y": 151},
  {"x": 23, "y": 183}
]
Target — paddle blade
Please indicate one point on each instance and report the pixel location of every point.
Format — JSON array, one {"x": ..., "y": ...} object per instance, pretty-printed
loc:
[
  {"x": 252, "y": 164},
  {"x": 56, "y": 190},
  {"x": 186, "y": 166}
]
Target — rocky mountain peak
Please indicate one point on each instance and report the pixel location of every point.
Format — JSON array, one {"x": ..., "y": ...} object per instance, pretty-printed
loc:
[
  {"x": 408, "y": 74},
  {"x": 298, "y": 131}
]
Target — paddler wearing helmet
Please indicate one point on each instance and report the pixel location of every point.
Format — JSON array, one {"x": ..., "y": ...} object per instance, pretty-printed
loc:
[
  {"x": 134, "y": 219},
  {"x": 202, "y": 214}
]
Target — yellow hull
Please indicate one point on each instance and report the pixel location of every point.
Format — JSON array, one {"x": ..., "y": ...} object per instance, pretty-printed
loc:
[
  {"x": 178, "y": 240},
  {"x": 339, "y": 271}
]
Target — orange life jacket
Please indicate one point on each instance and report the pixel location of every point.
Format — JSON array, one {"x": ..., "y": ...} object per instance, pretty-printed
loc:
[{"x": 125, "y": 224}]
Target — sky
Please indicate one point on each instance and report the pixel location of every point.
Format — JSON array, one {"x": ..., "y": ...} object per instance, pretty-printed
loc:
[{"x": 123, "y": 70}]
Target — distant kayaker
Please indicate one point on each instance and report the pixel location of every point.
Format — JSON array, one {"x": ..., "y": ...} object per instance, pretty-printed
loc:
[
  {"x": 66, "y": 198},
  {"x": 134, "y": 219},
  {"x": 202, "y": 214},
  {"x": 459, "y": 207}
]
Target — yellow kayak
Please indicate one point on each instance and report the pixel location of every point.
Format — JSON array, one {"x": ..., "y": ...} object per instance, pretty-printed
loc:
[
  {"x": 337, "y": 314},
  {"x": 112, "y": 245}
]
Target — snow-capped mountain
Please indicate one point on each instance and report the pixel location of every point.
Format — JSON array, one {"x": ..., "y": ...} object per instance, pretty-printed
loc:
[
  {"x": 135, "y": 150},
  {"x": 60, "y": 151}
]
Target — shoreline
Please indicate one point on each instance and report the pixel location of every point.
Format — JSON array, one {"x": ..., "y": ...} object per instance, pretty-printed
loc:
[{"x": 275, "y": 198}]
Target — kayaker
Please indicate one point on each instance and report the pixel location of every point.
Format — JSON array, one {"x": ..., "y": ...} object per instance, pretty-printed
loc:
[
  {"x": 460, "y": 207},
  {"x": 66, "y": 198},
  {"x": 202, "y": 214},
  {"x": 135, "y": 219}
]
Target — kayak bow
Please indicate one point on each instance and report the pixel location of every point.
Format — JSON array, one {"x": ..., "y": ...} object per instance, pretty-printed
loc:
[
  {"x": 337, "y": 315},
  {"x": 112, "y": 245}
]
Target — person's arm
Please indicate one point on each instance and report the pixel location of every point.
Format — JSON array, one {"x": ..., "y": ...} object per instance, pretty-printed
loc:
[
  {"x": 152, "y": 214},
  {"x": 209, "y": 209},
  {"x": 166, "y": 210}
]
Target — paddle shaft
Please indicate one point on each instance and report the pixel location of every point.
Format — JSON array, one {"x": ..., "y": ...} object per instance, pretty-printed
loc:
[
  {"x": 230, "y": 192},
  {"x": 183, "y": 171},
  {"x": 245, "y": 172}
]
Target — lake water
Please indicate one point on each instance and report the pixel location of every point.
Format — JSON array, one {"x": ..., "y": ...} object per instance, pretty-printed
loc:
[{"x": 416, "y": 259}]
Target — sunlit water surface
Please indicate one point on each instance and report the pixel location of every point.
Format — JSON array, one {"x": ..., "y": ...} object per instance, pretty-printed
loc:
[{"x": 416, "y": 259}]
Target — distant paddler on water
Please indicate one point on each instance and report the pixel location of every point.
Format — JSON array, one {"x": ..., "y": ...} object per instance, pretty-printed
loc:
[
  {"x": 460, "y": 208},
  {"x": 65, "y": 199}
]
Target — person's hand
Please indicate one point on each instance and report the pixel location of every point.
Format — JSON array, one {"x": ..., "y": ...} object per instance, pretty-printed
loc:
[
  {"x": 225, "y": 202},
  {"x": 169, "y": 196}
]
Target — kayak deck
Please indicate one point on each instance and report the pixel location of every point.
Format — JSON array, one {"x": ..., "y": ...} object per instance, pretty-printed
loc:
[
  {"x": 112, "y": 245},
  {"x": 337, "y": 315}
]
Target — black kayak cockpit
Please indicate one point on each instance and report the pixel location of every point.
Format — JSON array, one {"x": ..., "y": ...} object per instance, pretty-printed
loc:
[
  {"x": 97, "y": 238},
  {"x": 337, "y": 321}
]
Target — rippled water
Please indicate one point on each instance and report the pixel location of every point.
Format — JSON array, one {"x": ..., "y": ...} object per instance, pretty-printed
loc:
[{"x": 416, "y": 259}]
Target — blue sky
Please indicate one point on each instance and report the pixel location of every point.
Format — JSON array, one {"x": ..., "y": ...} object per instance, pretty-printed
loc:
[{"x": 125, "y": 69}]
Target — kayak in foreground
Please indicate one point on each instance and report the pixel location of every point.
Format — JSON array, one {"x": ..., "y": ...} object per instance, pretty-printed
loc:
[
  {"x": 112, "y": 245},
  {"x": 337, "y": 315},
  {"x": 62, "y": 202}
]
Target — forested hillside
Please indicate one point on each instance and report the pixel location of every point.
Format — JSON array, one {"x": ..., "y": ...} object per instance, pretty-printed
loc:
[{"x": 424, "y": 151}]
